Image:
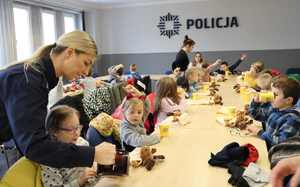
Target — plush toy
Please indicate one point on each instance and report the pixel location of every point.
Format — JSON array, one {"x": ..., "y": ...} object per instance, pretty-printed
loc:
[
  {"x": 148, "y": 160},
  {"x": 216, "y": 99},
  {"x": 240, "y": 121},
  {"x": 237, "y": 88},
  {"x": 106, "y": 125}
]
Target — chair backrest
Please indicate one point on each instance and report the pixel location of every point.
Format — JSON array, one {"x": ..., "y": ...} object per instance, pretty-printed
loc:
[
  {"x": 23, "y": 173},
  {"x": 292, "y": 71}
]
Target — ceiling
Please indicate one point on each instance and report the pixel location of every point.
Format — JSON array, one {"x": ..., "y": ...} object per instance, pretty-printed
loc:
[{"x": 129, "y": 3}]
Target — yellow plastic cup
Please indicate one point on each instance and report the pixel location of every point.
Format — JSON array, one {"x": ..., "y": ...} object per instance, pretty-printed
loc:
[
  {"x": 205, "y": 87},
  {"x": 231, "y": 110},
  {"x": 243, "y": 90},
  {"x": 196, "y": 96},
  {"x": 266, "y": 96},
  {"x": 247, "y": 97},
  {"x": 164, "y": 130}
]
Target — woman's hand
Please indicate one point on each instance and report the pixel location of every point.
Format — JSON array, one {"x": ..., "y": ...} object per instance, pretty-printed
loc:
[{"x": 105, "y": 153}]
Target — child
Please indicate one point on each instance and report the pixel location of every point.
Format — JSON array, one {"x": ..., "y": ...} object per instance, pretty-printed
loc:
[
  {"x": 193, "y": 76},
  {"x": 62, "y": 124},
  {"x": 115, "y": 74},
  {"x": 133, "y": 72},
  {"x": 264, "y": 82},
  {"x": 225, "y": 67},
  {"x": 207, "y": 69},
  {"x": 176, "y": 73},
  {"x": 281, "y": 117},
  {"x": 250, "y": 77},
  {"x": 132, "y": 131},
  {"x": 167, "y": 98},
  {"x": 197, "y": 61}
]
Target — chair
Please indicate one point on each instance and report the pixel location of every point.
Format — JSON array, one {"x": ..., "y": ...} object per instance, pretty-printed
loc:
[
  {"x": 292, "y": 71},
  {"x": 23, "y": 173}
]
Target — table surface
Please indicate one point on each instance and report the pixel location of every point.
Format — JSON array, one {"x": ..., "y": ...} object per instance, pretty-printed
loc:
[
  {"x": 152, "y": 76},
  {"x": 188, "y": 149}
]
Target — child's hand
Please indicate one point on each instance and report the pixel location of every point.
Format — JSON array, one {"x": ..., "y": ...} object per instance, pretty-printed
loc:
[
  {"x": 218, "y": 61},
  {"x": 253, "y": 129},
  {"x": 84, "y": 177},
  {"x": 256, "y": 98},
  {"x": 243, "y": 56}
]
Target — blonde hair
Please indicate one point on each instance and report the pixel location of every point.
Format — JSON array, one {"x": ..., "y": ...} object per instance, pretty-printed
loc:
[
  {"x": 264, "y": 81},
  {"x": 259, "y": 66},
  {"x": 81, "y": 41},
  {"x": 166, "y": 87}
]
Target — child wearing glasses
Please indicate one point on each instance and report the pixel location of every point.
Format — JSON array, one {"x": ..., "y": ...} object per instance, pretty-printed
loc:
[{"x": 62, "y": 124}]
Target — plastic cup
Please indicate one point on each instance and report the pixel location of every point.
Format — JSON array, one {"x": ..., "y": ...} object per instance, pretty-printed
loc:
[
  {"x": 266, "y": 96},
  {"x": 164, "y": 130}
]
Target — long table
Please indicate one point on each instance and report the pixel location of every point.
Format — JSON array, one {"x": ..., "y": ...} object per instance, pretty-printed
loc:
[{"x": 188, "y": 149}]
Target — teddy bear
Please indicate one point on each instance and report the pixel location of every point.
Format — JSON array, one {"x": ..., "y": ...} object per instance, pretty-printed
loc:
[
  {"x": 237, "y": 88},
  {"x": 241, "y": 121},
  {"x": 148, "y": 160},
  {"x": 216, "y": 99}
]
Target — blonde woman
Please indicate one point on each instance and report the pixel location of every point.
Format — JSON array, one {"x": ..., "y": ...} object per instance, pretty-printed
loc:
[{"x": 24, "y": 89}]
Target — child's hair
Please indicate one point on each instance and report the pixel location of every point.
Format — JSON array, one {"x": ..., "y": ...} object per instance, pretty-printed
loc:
[
  {"x": 183, "y": 83},
  {"x": 188, "y": 41},
  {"x": 279, "y": 78},
  {"x": 194, "y": 59},
  {"x": 132, "y": 67},
  {"x": 264, "y": 81},
  {"x": 166, "y": 87},
  {"x": 259, "y": 66},
  {"x": 57, "y": 115},
  {"x": 289, "y": 87},
  {"x": 224, "y": 63},
  {"x": 132, "y": 102}
]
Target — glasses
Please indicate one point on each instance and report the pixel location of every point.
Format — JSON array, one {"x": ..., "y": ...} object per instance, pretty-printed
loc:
[{"x": 72, "y": 130}]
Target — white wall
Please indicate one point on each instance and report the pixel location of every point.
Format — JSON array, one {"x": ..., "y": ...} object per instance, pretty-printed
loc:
[{"x": 264, "y": 24}]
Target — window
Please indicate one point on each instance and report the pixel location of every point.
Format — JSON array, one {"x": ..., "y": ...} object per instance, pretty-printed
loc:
[
  {"x": 69, "y": 21},
  {"x": 22, "y": 31},
  {"x": 48, "y": 26}
]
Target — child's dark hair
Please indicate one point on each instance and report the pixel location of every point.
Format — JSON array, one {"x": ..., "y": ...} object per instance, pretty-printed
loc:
[
  {"x": 183, "y": 83},
  {"x": 289, "y": 87},
  {"x": 224, "y": 63},
  {"x": 57, "y": 115},
  {"x": 188, "y": 41}
]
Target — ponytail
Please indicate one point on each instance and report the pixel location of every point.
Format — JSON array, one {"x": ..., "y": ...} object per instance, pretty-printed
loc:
[{"x": 188, "y": 41}]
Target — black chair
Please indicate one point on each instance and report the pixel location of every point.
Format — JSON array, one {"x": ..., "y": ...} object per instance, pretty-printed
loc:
[
  {"x": 76, "y": 102},
  {"x": 292, "y": 71}
]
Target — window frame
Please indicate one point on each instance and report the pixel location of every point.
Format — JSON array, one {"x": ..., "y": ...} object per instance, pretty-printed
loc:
[
  {"x": 28, "y": 9},
  {"x": 54, "y": 13}
]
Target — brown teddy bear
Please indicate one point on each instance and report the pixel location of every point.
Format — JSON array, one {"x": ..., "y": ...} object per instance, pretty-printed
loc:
[
  {"x": 241, "y": 121},
  {"x": 148, "y": 160},
  {"x": 216, "y": 99}
]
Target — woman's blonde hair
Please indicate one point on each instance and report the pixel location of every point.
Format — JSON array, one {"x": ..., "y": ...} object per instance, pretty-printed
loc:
[
  {"x": 81, "y": 41},
  {"x": 166, "y": 87}
]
